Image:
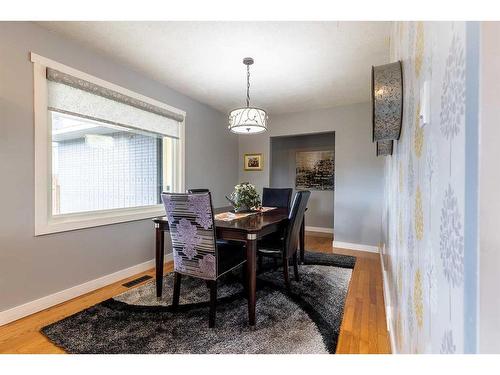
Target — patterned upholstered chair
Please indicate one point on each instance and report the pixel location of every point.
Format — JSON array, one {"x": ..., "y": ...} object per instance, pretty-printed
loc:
[
  {"x": 191, "y": 191},
  {"x": 196, "y": 252},
  {"x": 287, "y": 248},
  {"x": 203, "y": 190}
]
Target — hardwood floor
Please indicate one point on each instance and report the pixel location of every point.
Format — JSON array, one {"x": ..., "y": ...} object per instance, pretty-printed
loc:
[{"x": 363, "y": 327}]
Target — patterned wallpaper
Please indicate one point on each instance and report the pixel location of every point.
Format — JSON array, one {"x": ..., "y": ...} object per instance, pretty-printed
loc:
[{"x": 423, "y": 219}]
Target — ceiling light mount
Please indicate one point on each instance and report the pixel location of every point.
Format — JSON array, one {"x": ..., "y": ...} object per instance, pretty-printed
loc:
[{"x": 248, "y": 61}]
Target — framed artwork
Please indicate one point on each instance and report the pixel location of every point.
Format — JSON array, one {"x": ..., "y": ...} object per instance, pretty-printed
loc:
[
  {"x": 314, "y": 170},
  {"x": 252, "y": 162}
]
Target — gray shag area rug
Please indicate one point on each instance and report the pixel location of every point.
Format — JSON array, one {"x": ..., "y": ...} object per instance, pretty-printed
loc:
[{"x": 305, "y": 320}]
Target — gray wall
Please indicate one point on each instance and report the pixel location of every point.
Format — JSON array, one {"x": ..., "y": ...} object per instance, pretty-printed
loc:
[
  {"x": 489, "y": 186},
  {"x": 358, "y": 172},
  {"x": 283, "y": 171},
  {"x": 32, "y": 267}
]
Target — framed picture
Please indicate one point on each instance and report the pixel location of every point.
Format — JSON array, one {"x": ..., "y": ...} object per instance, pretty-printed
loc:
[
  {"x": 314, "y": 170},
  {"x": 252, "y": 162}
]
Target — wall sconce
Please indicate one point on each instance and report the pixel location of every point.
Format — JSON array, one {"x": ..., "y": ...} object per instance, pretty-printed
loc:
[
  {"x": 387, "y": 101},
  {"x": 384, "y": 148}
]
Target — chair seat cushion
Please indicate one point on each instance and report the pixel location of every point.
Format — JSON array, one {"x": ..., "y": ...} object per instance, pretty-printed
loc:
[
  {"x": 275, "y": 239},
  {"x": 231, "y": 254},
  {"x": 271, "y": 244},
  {"x": 272, "y": 253}
]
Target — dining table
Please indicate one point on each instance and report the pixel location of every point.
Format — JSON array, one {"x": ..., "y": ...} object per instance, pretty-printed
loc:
[{"x": 248, "y": 229}]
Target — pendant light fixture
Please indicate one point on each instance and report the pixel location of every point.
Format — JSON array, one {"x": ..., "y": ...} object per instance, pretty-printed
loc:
[{"x": 248, "y": 120}]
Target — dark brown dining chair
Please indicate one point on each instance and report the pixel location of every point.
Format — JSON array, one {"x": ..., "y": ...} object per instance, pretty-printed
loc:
[
  {"x": 287, "y": 248},
  {"x": 195, "y": 250},
  {"x": 277, "y": 197}
]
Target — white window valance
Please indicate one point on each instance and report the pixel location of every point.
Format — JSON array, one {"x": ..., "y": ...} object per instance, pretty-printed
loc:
[{"x": 78, "y": 97}]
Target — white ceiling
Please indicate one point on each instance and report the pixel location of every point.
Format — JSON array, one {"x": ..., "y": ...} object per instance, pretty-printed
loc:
[{"x": 298, "y": 65}]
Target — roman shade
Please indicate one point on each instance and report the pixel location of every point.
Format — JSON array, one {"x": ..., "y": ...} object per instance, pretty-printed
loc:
[{"x": 75, "y": 96}]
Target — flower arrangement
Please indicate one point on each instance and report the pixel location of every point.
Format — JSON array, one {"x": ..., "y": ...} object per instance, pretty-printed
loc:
[{"x": 244, "y": 197}]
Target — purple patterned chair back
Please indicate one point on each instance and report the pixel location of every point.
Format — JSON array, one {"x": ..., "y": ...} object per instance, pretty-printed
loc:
[{"x": 191, "y": 221}]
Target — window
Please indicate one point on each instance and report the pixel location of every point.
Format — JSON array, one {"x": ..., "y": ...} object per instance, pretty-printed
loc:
[
  {"x": 103, "y": 154},
  {"x": 96, "y": 166}
]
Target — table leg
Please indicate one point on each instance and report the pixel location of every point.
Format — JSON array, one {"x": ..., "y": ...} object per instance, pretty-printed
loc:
[
  {"x": 160, "y": 255},
  {"x": 251, "y": 275},
  {"x": 302, "y": 235}
]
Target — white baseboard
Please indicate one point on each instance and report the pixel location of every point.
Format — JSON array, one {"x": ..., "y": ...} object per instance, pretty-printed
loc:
[
  {"x": 43, "y": 303},
  {"x": 319, "y": 229},
  {"x": 355, "y": 246},
  {"x": 387, "y": 303}
]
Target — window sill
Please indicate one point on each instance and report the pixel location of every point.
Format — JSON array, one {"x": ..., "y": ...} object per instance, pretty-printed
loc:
[{"x": 68, "y": 222}]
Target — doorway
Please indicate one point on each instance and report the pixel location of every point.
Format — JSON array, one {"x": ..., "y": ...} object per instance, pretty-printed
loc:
[{"x": 304, "y": 162}]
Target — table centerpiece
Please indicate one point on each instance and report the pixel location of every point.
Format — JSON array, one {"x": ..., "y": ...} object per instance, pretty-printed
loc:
[{"x": 244, "y": 198}]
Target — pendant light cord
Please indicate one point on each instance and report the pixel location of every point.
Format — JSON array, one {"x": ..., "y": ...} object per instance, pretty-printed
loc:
[{"x": 248, "y": 86}]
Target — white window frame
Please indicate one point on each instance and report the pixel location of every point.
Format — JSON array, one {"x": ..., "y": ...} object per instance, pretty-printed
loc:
[{"x": 45, "y": 223}]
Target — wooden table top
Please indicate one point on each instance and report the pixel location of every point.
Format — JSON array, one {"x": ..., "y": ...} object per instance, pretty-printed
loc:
[{"x": 249, "y": 224}]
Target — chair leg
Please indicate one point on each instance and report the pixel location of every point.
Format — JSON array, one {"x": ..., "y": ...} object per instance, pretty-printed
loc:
[
  {"x": 177, "y": 290},
  {"x": 296, "y": 266},
  {"x": 302, "y": 235},
  {"x": 285, "y": 272},
  {"x": 213, "y": 303}
]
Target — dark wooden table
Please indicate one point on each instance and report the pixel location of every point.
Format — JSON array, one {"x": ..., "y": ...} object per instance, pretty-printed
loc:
[{"x": 248, "y": 229}]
